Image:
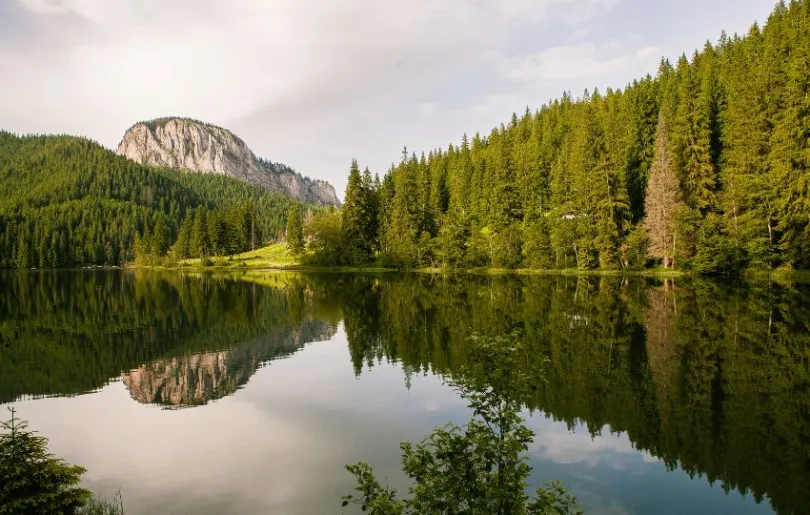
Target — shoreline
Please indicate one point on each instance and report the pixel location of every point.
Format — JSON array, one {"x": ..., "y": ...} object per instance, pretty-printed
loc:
[
  {"x": 236, "y": 269},
  {"x": 773, "y": 275}
]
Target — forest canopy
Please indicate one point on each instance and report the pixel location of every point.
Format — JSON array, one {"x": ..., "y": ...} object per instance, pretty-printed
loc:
[{"x": 703, "y": 165}]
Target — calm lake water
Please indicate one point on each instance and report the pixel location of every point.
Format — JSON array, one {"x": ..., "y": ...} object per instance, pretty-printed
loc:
[{"x": 225, "y": 394}]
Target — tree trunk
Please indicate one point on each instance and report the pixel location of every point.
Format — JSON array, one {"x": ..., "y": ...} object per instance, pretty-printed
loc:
[{"x": 674, "y": 246}]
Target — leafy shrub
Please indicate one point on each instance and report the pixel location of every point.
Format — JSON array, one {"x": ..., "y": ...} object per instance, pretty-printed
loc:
[{"x": 720, "y": 256}]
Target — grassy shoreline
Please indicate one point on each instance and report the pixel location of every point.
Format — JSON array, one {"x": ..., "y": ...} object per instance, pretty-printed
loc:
[{"x": 276, "y": 258}]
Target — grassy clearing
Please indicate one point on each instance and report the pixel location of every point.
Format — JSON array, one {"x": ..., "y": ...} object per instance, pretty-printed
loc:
[{"x": 273, "y": 256}]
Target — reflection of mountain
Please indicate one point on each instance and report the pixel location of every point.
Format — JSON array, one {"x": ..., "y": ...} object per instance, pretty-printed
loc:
[
  {"x": 196, "y": 379},
  {"x": 68, "y": 332}
]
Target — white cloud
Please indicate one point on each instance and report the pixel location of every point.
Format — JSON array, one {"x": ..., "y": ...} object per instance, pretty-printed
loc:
[
  {"x": 554, "y": 442},
  {"x": 573, "y": 62}
]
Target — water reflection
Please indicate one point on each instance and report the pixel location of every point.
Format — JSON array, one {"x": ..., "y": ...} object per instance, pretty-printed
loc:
[
  {"x": 196, "y": 379},
  {"x": 710, "y": 378},
  {"x": 707, "y": 378},
  {"x": 180, "y": 340}
]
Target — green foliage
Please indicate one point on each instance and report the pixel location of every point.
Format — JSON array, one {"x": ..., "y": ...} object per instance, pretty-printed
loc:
[
  {"x": 32, "y": 480},
  {"x": 200, "y": 242},
  {"x": 636, "y": 248},
  {"x": 453, "y": 236},
  {"x": 67, "y": 201},
  {"x": 720, "y": 255},
  {"x": 507, "y": 247},
  {"x": 478, "y": 468},
  {"x": 537, "y": 249},
  {"x": 182, "y": 247},
  {"x": 326, "y": 239}
]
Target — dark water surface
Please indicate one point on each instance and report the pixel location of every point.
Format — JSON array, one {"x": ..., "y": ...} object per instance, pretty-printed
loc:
[{"x": 224, "y": 394}]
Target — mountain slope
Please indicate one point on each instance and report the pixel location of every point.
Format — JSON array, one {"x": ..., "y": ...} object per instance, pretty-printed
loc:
[
  {"x": 67, "y": 201},
  {"x": 192, "y": 145}
]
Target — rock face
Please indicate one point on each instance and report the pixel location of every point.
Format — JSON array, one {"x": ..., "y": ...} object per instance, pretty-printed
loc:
[{"x": 200, "y": 147}]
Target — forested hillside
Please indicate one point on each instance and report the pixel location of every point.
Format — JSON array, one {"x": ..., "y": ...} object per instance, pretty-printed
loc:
[
  {"x": 67, "y": 201},
  {"x": 702, "y": 166}
]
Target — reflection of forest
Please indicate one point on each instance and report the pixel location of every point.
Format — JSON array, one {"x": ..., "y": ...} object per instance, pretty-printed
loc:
[
  {"x": 712, "y": 379},
  {"x": 65, "y": 333}
]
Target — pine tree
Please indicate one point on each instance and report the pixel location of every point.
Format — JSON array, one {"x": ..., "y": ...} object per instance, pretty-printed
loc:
[
  {"x": 161, "y": 238},
  {"x": 355, "y": 218},
  {"x": 662, "y": 201},
  {"x": 23, "y": 254},
  {"x": 182, "y": 246},
  {"x": 32, "y": 480},
  {"x": 371, "y": 209},
  {"x": 399, "y": 245},
  {"x": 200, "y": 243},
  {"x": 692, "y": 134}
]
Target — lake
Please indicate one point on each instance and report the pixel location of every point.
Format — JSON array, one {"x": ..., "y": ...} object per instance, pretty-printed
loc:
[{"x": 218, "y": 394}]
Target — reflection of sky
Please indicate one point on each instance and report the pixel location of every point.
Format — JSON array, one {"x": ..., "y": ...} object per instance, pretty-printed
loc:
[
  {"x": 279, "y": 445},
  {"x": 610, "y": 477}
]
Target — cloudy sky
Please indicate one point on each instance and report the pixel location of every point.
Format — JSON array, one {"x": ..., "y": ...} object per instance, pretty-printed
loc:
[{"x": 315, "y": 83}]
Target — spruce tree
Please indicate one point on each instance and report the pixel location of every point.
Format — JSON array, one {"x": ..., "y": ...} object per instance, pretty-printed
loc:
[
  {"x": 662, "y": 201},
  {"x": 182, "y": 247},
  {"x": 692, "y": 135},
  {"x": 32, "y": 480},
  {"x": 371, "y": 209},
  {"x": 355, "y": 218},
  {"x": 161, "y": 238},
  {"x": 400, "y": 237}
]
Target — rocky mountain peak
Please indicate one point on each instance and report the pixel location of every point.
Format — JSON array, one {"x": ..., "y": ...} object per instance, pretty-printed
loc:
[{"x": 188, "y": 144}]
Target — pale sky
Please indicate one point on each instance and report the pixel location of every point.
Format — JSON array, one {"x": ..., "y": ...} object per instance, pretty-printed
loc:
[{"x": 315, "y": 83}]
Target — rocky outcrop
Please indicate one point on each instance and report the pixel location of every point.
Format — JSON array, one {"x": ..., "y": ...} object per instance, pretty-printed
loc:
[{"x": 200, "y": 147}]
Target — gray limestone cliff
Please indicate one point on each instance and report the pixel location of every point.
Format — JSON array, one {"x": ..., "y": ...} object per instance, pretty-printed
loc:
[{"x": 200, "y": 147}]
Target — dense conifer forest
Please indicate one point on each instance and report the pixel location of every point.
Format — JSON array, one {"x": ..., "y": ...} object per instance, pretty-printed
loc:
[
  {"x": 67, "y": 201},
  {"x": 702, "y": 166}
]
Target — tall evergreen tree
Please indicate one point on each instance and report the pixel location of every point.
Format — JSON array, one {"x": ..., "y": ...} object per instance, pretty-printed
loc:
[
  {"x": 355, "y": 218},
  {"x": 371, "y": 210},
  {"x": 200, "y": 243},
  {"x": 182, "y": 246},
  {"x": 662, "y": 201}
]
